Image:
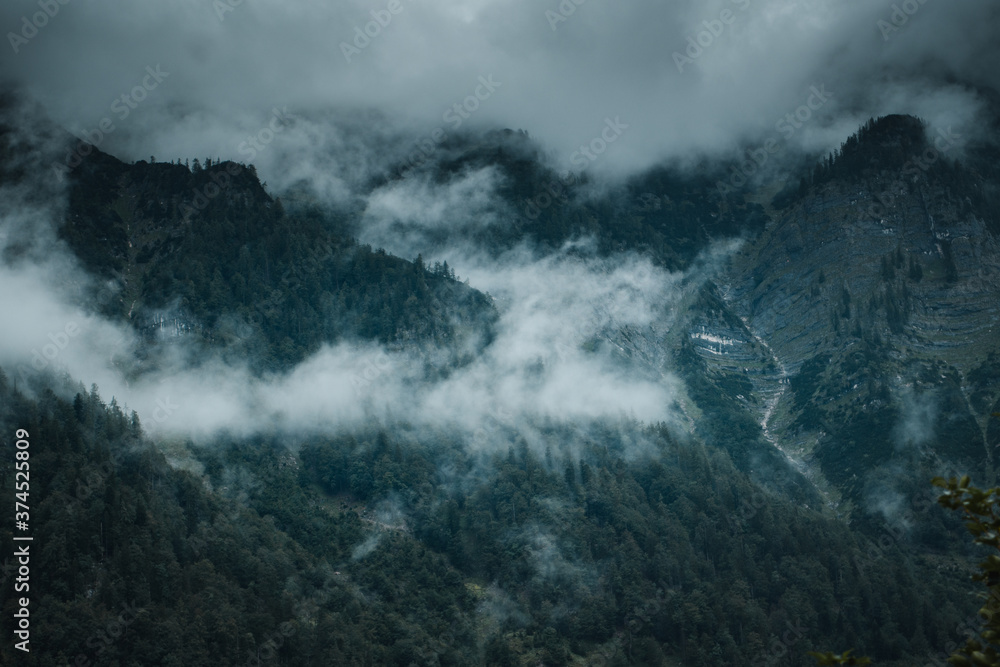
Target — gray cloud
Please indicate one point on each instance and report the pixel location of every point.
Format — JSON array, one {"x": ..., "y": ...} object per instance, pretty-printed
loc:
[
  {"x": 545, "y": 363},
  {"x": 539, "y": 368},
  {"x": 917, "y": 420},
  {"x": 559, "y": 80}
]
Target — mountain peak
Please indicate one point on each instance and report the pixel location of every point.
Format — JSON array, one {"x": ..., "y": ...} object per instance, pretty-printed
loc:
[
  {"x": 893, "y": 126},
  {"x": 882, "y": 143}
]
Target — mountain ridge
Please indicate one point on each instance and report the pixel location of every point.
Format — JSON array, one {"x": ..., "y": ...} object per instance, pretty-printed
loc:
[{"x": 807, "y": 426}]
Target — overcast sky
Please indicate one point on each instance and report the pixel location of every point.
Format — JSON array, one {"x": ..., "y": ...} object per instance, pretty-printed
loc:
[{"x": 558, "y": 71}]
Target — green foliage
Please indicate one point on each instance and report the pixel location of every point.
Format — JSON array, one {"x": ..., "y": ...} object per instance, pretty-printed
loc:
[
  {"x": 896, "y": 147},
  {"x": 600, "y": 539},
  {"x": 672, "y": 556},
  {"x": 804, "y": 385},
  {"x": 984, "y": 383},
  {"x": 224, "y": 578},
  {"x": 844, "y": 658},
  {"x": 679, "y": 550},
  {"x": 981, "y": 510},
  {"x": 212, "y": 249}
]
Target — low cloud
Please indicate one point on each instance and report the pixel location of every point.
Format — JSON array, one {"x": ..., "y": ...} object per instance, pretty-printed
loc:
[
  {"x": 417, "y": 214},
  {"x": 917, "y": 420},
  {"x": 557, "y": 356},
  {"x": 752, "y": 61}
]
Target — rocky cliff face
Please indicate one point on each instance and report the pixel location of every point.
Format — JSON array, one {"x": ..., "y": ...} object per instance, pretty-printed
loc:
[{"x": 878, "y": 294}]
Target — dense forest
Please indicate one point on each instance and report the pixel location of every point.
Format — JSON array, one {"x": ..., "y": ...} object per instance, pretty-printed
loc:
[
  {"x": 370, "y": 549},
  {"x": 238, "y": 272},
  {"x": 900, "y": 145}
]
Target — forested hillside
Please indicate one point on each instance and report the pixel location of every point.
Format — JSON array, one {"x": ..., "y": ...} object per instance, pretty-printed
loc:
[
  {"x": 211, "y": 253},
  {"x": 356, "y": 551}
]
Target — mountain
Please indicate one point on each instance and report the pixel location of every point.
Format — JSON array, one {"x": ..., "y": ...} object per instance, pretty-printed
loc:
[
  {"x": 210, "y": 251},
  {"x": 882, "y": 308},
  {"x": 828, "y": 350}
]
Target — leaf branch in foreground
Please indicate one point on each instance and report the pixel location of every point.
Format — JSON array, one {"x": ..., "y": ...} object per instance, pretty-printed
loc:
[
  {"x": 844, "y": 658},
  {"x": 981, "y": 510}
]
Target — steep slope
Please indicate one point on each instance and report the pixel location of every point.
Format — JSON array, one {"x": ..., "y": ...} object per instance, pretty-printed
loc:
[
  {"x": 877, "y": 288},
  {"x": 876, "y": 267},
  {"x": 135, "y": 562},
  {"x": 361, "y": 551},
  {"x": 208, "y": 253}
]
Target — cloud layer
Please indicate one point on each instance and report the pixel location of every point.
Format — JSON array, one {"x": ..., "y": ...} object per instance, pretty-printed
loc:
[
  {"x": 684, "y": 76},
  {"x": 335, "y": 95},
  {"x": 547, "y": 363}
]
